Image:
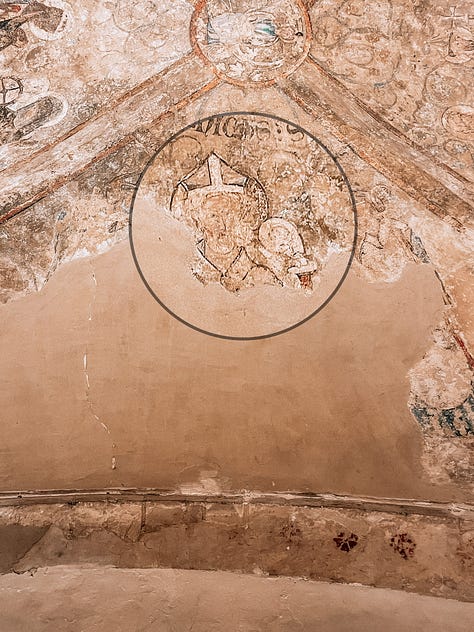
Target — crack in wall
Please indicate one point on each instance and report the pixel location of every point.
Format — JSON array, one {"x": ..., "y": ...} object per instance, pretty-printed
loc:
[{"x": 90, "y": 404}]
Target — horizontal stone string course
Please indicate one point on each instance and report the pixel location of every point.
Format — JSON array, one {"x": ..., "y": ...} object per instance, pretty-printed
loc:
[
  {"x": 116, "y": 495},
  {"x": 276, "y": 537}
]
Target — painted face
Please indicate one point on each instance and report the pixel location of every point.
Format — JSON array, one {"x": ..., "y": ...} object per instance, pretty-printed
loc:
[
  {"x": 218, "y": 218},
  {"x": 280, "y": 237}
]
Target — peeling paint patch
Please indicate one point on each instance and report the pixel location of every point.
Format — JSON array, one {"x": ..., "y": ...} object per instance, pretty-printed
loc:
[
  {"x": 442, "y": 403},
  {"x": 457, "y": 421}
]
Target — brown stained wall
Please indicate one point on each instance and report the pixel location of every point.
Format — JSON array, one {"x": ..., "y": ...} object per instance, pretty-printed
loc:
[{"x": 326, "y": 402}]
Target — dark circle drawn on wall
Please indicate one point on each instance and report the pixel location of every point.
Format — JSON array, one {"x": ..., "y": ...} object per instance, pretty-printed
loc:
[{"x": 243, "y": 225}]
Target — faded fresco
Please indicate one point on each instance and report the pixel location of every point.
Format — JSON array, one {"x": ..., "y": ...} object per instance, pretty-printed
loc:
[
  {"x": 45, "y": 20},
  {"x": 263, "y": 204},
  {"x": 278, "y": 226},
  {"x": 252, "y": 41},
  {"x": 413, "y": 62},
  {"x": 62, "y": 62},
  {"x": 295, "y": 176}
]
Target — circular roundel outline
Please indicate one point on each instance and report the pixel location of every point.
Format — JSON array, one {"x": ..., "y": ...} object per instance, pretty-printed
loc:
[
  {"x": 236, "y": 82},
  {"x": 273, "y": 333}
]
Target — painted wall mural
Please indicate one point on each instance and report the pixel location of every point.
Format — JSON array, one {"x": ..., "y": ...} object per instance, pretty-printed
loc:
[
  {"x": 46, "y": 20},
  {"x": 442, "y": 402},
  {"x": 17, "y": 123},
  {"x": 248, "y": 41},
  {"x": 412, "y": 62},
  {"x": 76, "y": 58},
  {"x": 243, "y": 225},
  {"x": 267, "y": 214}
]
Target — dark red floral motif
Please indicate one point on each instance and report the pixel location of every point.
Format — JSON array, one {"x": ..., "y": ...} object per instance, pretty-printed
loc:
[
  {"x": 346, "y": 542},
  {"x": 403, "y": 544}
]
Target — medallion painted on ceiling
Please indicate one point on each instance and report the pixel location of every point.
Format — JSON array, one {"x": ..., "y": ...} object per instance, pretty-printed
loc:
[
  {"x": 251, "y": 41},
  {"x": 243, "y": 225}
]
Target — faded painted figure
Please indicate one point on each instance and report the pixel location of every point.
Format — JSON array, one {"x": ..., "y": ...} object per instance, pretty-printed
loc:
[
  {"x": 19, "y": 123},
  {"x": 238, "y": 244},
  {"x": 243, "y": 210},
  {"x": 14, "y": 15}
]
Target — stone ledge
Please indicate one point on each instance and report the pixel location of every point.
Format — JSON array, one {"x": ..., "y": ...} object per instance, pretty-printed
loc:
[{"x": 430, "y": 555}]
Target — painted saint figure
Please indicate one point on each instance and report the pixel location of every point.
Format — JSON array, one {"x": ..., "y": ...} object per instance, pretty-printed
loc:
[
  {"x": 284, "y": 248},
  {"x": 242, "y": 225},
  {"x": 237, "y": 243}
]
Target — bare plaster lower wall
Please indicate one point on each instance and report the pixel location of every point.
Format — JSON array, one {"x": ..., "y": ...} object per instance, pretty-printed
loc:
[{"x": 103, "y": 388}]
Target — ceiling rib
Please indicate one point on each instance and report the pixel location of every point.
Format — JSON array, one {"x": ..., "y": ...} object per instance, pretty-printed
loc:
[
  {"x": 376, "y": 141},
  {"x": 102, "y": 135},
  {"x": 445, "y": 194}
]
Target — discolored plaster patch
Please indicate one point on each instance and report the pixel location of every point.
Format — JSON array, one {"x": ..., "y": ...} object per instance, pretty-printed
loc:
[{"x": 16, "y": 541}]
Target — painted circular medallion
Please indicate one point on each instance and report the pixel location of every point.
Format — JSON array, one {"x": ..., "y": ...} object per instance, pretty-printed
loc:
[
  {"x": 251, "y": 41},
  {"x": 243, "y": 225}
]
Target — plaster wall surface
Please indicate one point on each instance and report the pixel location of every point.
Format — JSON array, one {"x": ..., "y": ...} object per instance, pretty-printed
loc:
[{"x": 62, "y": 598}]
